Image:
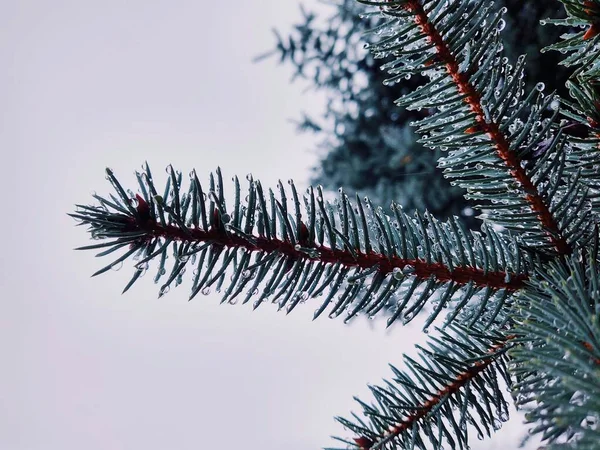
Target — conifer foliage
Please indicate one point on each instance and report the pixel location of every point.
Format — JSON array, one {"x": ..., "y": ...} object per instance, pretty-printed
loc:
[
  {"x": 516, "y": 303},
  {"x": 366, "y": 141}
]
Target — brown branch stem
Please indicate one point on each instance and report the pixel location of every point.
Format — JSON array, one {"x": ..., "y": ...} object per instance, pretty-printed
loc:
[{"x": 422, "y": 269}]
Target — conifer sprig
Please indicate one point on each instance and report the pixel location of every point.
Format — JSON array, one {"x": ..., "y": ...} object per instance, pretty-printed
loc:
[
  {"x": 534, "y": 293},
  {"x": 558, "y": 364},
  {"x": 501, "y": 145},
  {"x": 582, "y": 113},
  {"x": 432, "y": 402},
  {"x": 359, "y": 258},
  {"x": 582, "y": 47}
]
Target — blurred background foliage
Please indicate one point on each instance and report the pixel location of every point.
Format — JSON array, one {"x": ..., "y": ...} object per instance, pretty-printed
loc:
[{"x": 366, "y": 141}]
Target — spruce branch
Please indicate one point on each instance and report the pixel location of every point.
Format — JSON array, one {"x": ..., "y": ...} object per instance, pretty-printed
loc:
[
  {"x": 582, "y": 115},
  {"x": 482, "y": 119},
  {"x": 431, "y": 402},
  {"x": 373, "y": 260},
  {"x": 583, "y": 47},
  {"x": 532, "y": 296},
  {"x": 558, "y": 359}
]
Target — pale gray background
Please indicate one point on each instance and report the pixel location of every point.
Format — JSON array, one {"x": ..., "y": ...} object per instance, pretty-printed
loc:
[{"x": 88, "y": 84}]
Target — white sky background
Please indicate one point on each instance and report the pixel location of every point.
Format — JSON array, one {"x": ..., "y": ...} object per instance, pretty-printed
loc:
[{"x": 85, "y": 85}]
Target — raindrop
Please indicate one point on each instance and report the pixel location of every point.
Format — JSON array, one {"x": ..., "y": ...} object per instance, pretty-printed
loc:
[
  {"x": 408, "y": 269},
  {"x": 540, "y": 86},
  {"x": 117, "y": 266},
  {"x": 205, "y": 290},
  {"x": 397, "y": 273}
]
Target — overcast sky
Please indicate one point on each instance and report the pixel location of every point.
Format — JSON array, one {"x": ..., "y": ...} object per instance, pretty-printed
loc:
[{"x": 85, "y": 85}]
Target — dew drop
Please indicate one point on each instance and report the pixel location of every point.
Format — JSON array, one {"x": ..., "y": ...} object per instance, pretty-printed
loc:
[
  {"x": 397, "y": 273},
  {"x": 205, "y": 290},
  {"x": 117, "y": 266},
  {"x": 408, "y": 269}
]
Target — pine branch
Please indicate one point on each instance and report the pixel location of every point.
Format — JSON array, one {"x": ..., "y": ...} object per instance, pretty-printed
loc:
[
  {"x": 375, "y": 261},
  {"x": 582, "y": 124},
  {"x": 453, "y": 386},
  {"x": 488, "y": 126},
  {"x": 535, "y": 293},
  {"x": 483, "y": 120},
  {"x": 582, "y": 47},
  {"x": 558, "y": 359}
]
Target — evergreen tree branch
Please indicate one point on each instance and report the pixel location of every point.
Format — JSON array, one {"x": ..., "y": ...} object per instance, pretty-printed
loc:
[
  {"x": 582, "y": 124},
  {"x": 558, "y": 361},
  {"x": 371, "y": 259},
  {"x": 431, "y": 402},
  {"x": 473, "y": 98},
  {"x": 582, "y": 47},
  {"x": 534, "y": 296},
  {"x": 483, "y": 120}
]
